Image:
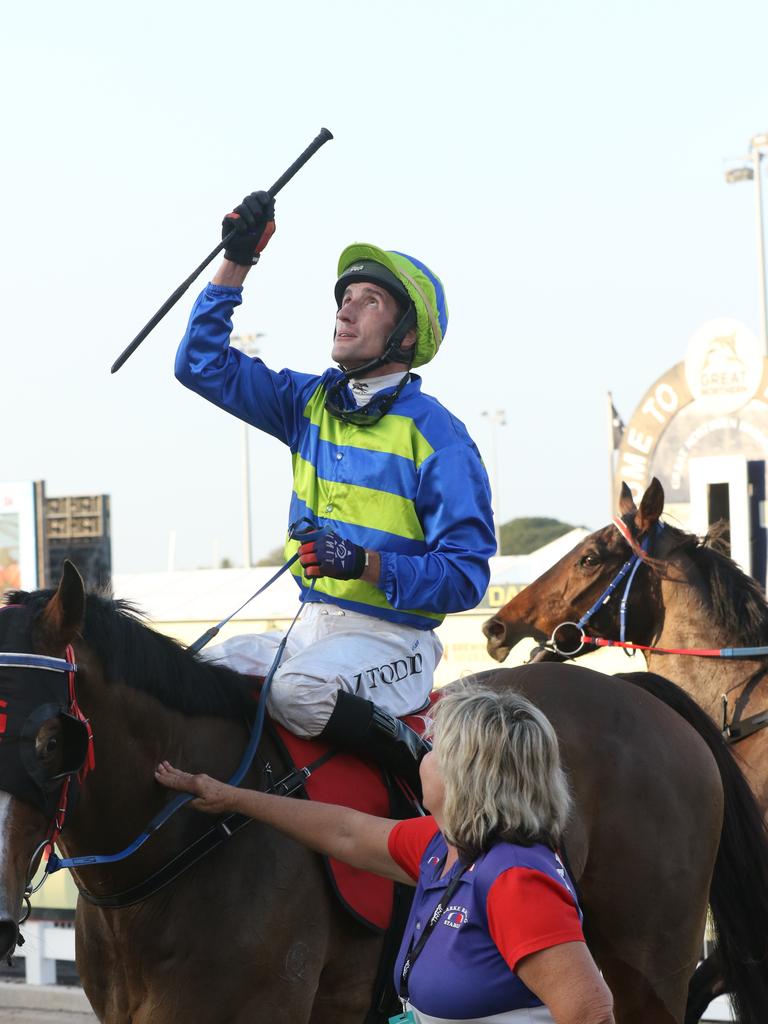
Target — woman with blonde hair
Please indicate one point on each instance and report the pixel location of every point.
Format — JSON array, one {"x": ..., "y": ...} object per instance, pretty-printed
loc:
[{"x": 494, "y": 935}]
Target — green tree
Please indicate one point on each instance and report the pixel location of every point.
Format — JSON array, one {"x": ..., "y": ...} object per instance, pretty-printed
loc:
[
  {"x": 527, "y": 534},
  {"x": 274, "y": 557}
]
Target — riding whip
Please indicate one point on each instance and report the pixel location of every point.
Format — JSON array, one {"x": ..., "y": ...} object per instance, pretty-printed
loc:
[{"x": 322, "y": 137}]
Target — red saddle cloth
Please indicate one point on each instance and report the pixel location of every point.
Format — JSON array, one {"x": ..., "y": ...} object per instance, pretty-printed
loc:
[{"x": 351, "y": 782}]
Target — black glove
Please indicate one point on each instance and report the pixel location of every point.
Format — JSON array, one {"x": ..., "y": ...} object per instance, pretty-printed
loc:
[
  {"x": 254, "y": 220},
  {"x": 332, "y": 555}
]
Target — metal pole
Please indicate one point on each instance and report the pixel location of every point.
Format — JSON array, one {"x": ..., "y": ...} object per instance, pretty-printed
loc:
[
  {"x": 757, "y": 156},
  {"x": 495, "y": 458},
  {"x": 497, "y": 419},
  {"x": 611, "y": 457}
]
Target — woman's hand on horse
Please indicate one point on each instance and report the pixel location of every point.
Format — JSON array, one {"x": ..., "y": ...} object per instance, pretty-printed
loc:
[
  {"x": 211, "y": 796},
  {"x": 352, "y": 836}
]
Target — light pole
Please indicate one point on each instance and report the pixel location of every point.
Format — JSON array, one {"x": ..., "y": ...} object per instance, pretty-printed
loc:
[
  {"x": 247, "y": 344},
  {"x": 496, "y": 419},
  {"x": 758, "y": 149}
]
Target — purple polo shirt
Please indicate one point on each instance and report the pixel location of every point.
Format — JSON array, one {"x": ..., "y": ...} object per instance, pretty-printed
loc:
[{"x": 514, "y": 900}]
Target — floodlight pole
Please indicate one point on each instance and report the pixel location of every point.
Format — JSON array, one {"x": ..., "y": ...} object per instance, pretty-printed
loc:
[
  {"x": 758, "y": 149},
  {"x": 497, "y": 419}
]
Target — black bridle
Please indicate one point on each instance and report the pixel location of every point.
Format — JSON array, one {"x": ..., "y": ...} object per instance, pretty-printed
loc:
[
  {"x": 30, "y": 788},
  {"x": 223, "y": 829}
]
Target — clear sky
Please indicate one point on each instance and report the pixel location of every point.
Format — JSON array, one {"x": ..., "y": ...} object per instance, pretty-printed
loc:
[{"x": 558, "y": 164}]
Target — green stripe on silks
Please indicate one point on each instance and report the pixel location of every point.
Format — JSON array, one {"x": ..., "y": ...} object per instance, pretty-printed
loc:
[
  {"x": 352, "y": 503},
  {"x": 354, "y": 590},
  {"x": 394, "y": 435}
]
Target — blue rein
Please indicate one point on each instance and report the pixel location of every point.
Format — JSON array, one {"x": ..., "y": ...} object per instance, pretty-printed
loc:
[
  {"x": 55, "y": 863},
  {"x": 12, "y": 660},
  {"x": 312, "y": 533}
]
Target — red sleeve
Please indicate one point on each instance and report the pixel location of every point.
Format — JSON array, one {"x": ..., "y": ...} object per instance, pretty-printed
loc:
[
  {"x": 529, "y": 911},
  {"x": 407, "y": 842}
]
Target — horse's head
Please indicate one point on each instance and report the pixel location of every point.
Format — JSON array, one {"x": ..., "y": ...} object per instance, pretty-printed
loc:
[
  {"x": 568, "y": 590},
  {"x": 41, "y": 744}
]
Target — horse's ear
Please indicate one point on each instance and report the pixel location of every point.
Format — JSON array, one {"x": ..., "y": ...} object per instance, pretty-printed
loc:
[
  {"x": 651, "y": 506},
  {"x": 63, "y": 615},
  {"x": 626, "y": 501}
]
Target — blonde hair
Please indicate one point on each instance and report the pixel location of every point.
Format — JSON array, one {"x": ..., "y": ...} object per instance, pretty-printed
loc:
[{"x": 500, "y": 763}]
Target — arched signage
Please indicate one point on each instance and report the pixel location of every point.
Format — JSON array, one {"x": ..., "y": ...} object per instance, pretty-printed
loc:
[{"x": 714, "y": 403}]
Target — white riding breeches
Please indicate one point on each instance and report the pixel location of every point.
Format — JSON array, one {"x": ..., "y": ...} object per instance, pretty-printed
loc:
[{"x": 330, "y": 649}]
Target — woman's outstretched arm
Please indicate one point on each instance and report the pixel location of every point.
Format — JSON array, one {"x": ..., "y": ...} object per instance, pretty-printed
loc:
[{"x": 350, "y": 836}]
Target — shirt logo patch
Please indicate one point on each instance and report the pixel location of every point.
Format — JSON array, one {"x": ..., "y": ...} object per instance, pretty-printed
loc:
[
  {"x": 455, "y": 916},
  {"x": 564, "y": 875}
]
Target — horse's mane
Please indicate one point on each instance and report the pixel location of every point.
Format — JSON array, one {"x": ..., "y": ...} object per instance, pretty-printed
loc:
[
  {"x": 133, "y": 653},
  {"x": 738, "y": 601}
]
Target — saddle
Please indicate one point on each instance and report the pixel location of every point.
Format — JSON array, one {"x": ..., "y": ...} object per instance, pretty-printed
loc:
[{"x": 345, "y": 779}]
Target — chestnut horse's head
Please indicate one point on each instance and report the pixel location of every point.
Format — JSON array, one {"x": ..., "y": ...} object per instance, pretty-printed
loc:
[
  {"x": 564, "y": 593},
  {"x": 39, "y": 743}
]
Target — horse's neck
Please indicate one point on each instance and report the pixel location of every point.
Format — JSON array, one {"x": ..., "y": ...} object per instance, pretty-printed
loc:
[
  {"x": 132, "y": 733},
  {"x": 689, "y": 623}
]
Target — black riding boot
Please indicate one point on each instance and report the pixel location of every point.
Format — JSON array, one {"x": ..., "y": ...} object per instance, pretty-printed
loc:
[{"x": 359, "y": 725}]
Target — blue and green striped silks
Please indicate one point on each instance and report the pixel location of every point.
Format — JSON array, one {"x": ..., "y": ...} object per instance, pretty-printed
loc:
[{"x": 411, "y": 487}]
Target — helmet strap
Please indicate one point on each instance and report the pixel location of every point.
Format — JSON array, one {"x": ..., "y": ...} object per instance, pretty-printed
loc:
[{"x": 366, "y": 415}]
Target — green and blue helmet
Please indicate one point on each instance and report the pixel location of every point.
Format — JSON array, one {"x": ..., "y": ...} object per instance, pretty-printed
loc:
[{"x": 411, "y": 282}]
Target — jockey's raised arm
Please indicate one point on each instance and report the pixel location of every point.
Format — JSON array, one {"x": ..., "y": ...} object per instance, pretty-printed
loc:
[{"x": 392, "y": 479}]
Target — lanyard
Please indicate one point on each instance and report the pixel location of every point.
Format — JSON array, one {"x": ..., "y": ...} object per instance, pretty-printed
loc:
[{"x": 429, "y": 927}]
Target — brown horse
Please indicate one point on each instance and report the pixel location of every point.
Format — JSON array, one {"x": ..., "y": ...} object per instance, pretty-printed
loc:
[
  {"x": 251, "y": 931},
  {"x": 687, "y": 594}
]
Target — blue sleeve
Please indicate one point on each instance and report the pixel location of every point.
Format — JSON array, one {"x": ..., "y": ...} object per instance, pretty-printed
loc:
[
  {"x": 454, "y": 506},
  {"x": 237, "y": 383}
]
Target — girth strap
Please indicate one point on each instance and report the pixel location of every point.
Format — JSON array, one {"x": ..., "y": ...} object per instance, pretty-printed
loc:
[{"x": 740, "y": 730}]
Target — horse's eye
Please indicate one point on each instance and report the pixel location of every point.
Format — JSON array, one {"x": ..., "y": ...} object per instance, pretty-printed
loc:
[
  {"x": 587, "y": 561},
  {"x": 51, "y": 745}
]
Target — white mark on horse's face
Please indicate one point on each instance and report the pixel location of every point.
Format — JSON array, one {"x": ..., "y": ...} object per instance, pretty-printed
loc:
[
  {"x": 6, "y": 807},
  {"x": 6, "y": 853}
]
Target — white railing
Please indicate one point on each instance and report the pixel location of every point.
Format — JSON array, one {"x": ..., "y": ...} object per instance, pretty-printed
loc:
[{"x": 45, "y": 942}]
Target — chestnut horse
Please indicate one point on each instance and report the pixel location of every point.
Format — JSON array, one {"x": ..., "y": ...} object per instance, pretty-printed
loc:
[
  {"x": 686, "y": 594},
  {"x": 662, "y": 824}
]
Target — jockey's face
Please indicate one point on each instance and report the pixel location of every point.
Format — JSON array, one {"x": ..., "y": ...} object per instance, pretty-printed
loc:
[{"x": 366, "y": 318}]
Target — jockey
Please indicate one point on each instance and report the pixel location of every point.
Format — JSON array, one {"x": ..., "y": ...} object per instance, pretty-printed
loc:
[{"x": 391, "y": 476}]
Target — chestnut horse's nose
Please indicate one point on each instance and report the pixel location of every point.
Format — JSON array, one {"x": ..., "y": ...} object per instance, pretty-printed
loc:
[
  {"x": 9, "y": 933},
  {"x": 494, "y": 630},
  {"x": 497, "y": 635}
]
